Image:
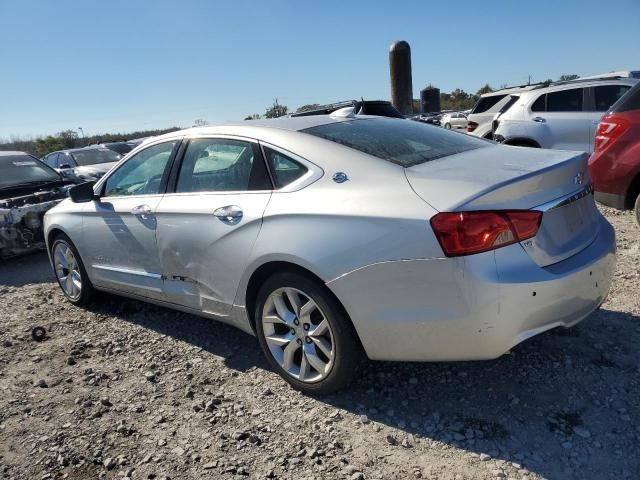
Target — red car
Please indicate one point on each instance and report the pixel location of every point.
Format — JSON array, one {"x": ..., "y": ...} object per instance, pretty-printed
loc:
[{"x": 615, "y": 164}]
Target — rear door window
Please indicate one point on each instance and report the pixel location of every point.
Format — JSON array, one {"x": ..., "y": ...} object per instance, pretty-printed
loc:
[
  {"x": 607, "y": 95},
  {"x": 485, "y": 103},
  {"x": 284, "y": 169},
  {"x": 565, "y": 100}
]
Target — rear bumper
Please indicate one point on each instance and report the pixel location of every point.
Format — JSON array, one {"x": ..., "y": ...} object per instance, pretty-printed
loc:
[
  {"x": 611, "y": 200},
  {"x": 472, "y": 308}
]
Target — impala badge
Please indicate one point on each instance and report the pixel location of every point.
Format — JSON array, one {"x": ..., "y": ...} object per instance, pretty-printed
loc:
[{"x": 578, "y": 179}]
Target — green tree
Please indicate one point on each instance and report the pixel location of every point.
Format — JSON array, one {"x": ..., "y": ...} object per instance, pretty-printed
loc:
[
  {"x": 276, "y": 110},
  {"x": 255, "y": 116},
  {"x": 69, "y": 138},
  {"x": 486, "y": 89},
  {"x": 568, "y": 76},
  {"x": 42, "y": 146}
]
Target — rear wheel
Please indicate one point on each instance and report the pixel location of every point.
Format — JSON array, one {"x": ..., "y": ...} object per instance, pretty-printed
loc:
[
  {"x": 70, "y": 272},
  {"x": 637, "y": 209},
  {"x": 305, "y": 334},
  {"x": 447, "y": 126}
]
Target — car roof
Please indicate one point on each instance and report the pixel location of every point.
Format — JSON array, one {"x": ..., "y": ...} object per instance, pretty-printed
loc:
[
  {"x": 13, "y": 153},
  {"x": 583, "y": 84},
  {"x": 292, "y": 124},
  {"x": 81, "y": 149}
]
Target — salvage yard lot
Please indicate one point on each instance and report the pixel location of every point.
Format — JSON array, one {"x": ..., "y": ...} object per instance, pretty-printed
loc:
[{"x": 129, "y": 389}]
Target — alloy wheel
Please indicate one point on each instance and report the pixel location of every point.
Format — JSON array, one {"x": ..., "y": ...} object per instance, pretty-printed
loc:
[
  {"x": 67, "y": 270},
  {"x": 298, "y": 335}
]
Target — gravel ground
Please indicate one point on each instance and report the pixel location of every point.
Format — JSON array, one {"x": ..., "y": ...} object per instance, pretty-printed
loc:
[{"x": 125, "y": 389}]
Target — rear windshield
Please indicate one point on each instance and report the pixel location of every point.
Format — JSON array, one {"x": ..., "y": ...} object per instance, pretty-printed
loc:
[
  {"x": 630, "y": 101},
  {"x": 403, "y": 142},
  {"x": 24, "y": 169},
  {"x": 93, "y": 156},
  {"x": 485, "y": 103}
]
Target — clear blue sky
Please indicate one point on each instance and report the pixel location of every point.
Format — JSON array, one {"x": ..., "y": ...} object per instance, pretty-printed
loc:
[{"x": 122, "y": 65}]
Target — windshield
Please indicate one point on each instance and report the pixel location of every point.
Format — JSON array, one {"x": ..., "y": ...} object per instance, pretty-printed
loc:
[
  {"x": 91, "y": 156},
  {"x": 403, "y": 142},
  {"x": 22, "y": 168}
]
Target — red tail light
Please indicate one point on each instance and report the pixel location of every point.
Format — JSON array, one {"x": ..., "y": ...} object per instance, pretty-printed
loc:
[
  {"x": 609, "y": 130},
  {"x": 471, "y": 126},
  {"x": 466, "y": 233}
]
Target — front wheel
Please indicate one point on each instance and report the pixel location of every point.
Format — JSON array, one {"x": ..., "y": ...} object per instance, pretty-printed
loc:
[
  {"x": 70, "y": 272},
  {"x": 637, "y": 209},
  {"x": 447, "y": 126},
  {"x": 306, "y": 335}
]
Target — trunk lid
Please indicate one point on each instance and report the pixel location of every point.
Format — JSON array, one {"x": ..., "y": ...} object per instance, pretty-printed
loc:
[{"x": 514, "y": 178}]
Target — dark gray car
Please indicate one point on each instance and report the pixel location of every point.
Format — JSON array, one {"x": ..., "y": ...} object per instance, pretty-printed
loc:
[{"x": 82, "y": 164}]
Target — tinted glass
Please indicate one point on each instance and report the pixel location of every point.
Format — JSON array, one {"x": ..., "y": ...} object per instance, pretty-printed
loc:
[
  {"x": 142, "y": 173},
  {"x": 218, "y": 165},
  {"x": 539, "y": 104},
  {"x": 19, "y": 169},
  {"x": 565, "y": 101},
  {"x": 607, "y": 95},
  {"x": 64, "y": 160},
  {"x": 631, "y": 101},
  {"x": 485, "y": 103},
  {"x": 284, "y": 169},
  {"x": 51, "y": 160},
  {"x": 403, "y": 142},
  {"x": 92, "y": 156}
]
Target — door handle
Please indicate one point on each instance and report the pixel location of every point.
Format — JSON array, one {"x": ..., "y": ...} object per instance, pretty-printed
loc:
[
  {"x": 230, "y": 214},
  {"x": 539, "y": 119},
  {"x": 142, "y": 210}
]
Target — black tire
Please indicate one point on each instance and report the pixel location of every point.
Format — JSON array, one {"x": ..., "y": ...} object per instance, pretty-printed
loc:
[
  {"x": 87, "y": 291},
  {"x": 349, "y": 355},
  {"x": 637, "y": 209},
  {"x": 447, "y": 126}
]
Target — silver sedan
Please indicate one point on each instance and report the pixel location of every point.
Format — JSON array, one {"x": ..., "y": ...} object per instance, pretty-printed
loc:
[{"x": 335, "y": 239}]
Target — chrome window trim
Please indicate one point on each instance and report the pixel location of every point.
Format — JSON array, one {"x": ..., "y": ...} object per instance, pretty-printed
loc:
[
  {"x": 313, "y": 174},
  {"x": 98, "y": 186}
]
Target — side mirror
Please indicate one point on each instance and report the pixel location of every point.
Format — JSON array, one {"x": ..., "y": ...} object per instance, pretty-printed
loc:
[
  {"x": 82, "y": 193},
  {"x": 64, "y": 166}
]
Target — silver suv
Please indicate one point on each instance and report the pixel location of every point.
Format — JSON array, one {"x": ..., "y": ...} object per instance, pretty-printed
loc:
[{"x": 562, "y": 115}]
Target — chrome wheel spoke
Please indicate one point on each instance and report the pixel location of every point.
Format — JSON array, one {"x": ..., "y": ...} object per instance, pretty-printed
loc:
[
  {"x": 305, "y": 311},
  {"x": 283, "y": 312},
  {"x": 322, "y": 345},
  {"x": 279, "y": 340},
  {"x": 288, "y": 354},
  {"x": 274, "y": 319},
  {"x": 294, "y": 300},
  {"x": 315, "y": 361},
  {"x": 321, "y": 329},
  {"x": 304, "y": 366}
]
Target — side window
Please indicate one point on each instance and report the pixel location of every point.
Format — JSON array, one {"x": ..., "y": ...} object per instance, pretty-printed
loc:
[
  {"x": 565, "y": 100},
  {"x": 540, "y": 104},
  {"x": 607, "y": 95},
  {"x": 221, "y": 165},
  {"x": 64, "y": 159},
  {"x": 51, "y": 160},
  {"x": 142, "y": 173},
  {"x": 284, "y": 169}
]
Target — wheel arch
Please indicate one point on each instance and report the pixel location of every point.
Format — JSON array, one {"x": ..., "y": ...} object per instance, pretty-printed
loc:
[
  {"x": 632, "y": 192},
  {"x": 265, "y": 270},
  {"x": 522, "y": 142}
]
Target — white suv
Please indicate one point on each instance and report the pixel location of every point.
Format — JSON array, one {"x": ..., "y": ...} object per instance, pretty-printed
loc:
[
  {"x": 562, "y": 115},
  {"x": 488, "y": 105}
]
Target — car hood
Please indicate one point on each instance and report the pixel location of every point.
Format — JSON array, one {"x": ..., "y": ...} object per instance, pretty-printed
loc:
[{"x": 498, "y": 177}]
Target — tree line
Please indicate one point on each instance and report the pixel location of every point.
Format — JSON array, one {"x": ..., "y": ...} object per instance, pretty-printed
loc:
[{"x": 40, "y": 146}]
